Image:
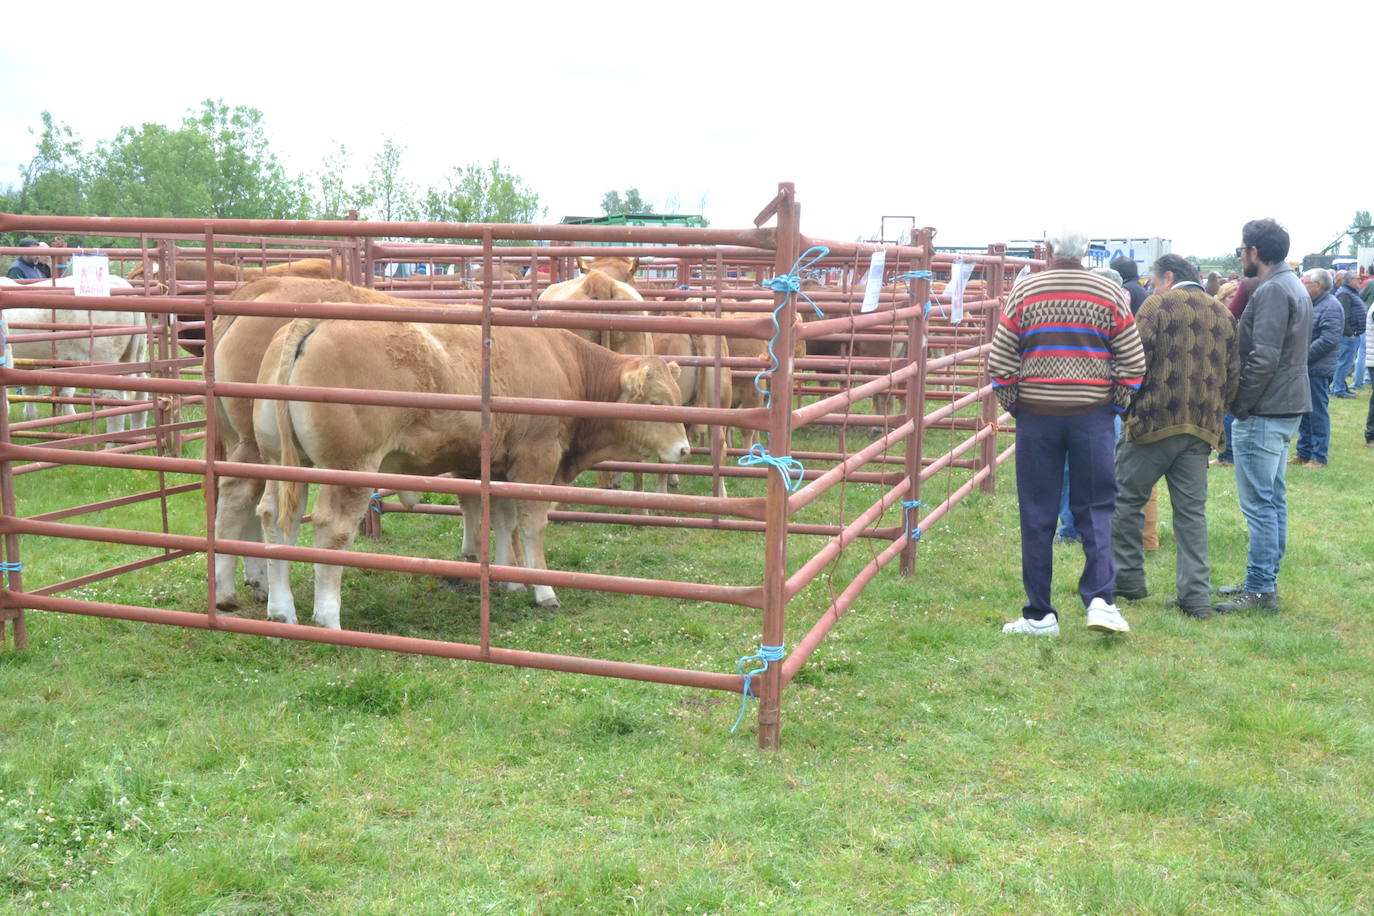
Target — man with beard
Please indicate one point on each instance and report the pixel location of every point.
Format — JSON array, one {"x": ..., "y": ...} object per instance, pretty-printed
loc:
[{"x": 1274, "y": 393}]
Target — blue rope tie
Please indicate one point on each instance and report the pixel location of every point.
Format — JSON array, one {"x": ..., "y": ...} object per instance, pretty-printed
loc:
[
  {"x": 766, "y": 654},
  {"x": 907, "y": 506},
  {"x": 8, "y": 568},
  {"x": 376, "y": 503},
  {"x": 921, "y": 275},
  {"x": 790, "y": 468},
  {"x": 788, "y": 283}
]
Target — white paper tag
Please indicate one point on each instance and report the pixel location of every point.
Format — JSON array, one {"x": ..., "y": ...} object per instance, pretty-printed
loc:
[
  {"x": 959, "y": 273},
  {"x": 92, "y": 272},
  {"x": 1023, "y": 274},
  {"x": 874, "y": 284}
]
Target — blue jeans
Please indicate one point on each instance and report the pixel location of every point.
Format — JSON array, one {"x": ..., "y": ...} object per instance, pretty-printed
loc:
[
  {"x": 1314, "y": 430},
  {"x": 1345, "y": 364},
  {"x": 1261, "y": 447},
  {"x": 1226, "y": 454},
  {"x": 1361, "y": 369}
]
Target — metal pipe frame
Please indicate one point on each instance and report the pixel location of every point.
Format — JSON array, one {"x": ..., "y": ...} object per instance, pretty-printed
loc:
[{"x": 706, "y": 254}]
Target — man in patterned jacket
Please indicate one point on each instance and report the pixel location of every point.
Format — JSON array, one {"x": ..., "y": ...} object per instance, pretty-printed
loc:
[
  {"x": 1065, "y": 360},
  {"x": 1192, "y": 371}
]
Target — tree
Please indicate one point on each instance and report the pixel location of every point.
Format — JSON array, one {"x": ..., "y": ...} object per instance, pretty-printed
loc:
[
  {"x": 335, "y": 198},
  {"x": 475, "y": 193},
  {"x": 245, "y": 179},
  {"x": 387, "y": 194},
  {"x": 1361, "y": 236},
  {"x": 54, "y": 180},
  {"x": 612, "y": 203}
]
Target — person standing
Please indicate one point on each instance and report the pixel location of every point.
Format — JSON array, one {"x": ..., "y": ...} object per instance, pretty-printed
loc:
[
  {"x": 1273, "y": 394},
  {"x": 1130, "y": 281},
  {"x": 1065, "y": 360},
  {"x": 1348, "y": 292},
  {"x": 1328, "y": 323},
  {"x": 1362, "y": 373},
  {"x": 1192, "y": 369},
  {"x": 29, "y": 266}
]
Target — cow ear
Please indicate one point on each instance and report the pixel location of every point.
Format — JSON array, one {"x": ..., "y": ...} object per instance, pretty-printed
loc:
[
  {"x": 674, "y": 370},
  {"x": 632, "y": 382},
  {"x": 582, "y": 263},
  {"x": 634, "y": 265}
]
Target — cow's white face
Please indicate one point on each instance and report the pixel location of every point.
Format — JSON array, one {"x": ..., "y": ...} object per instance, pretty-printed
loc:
[{"x": 653, "y": 381}]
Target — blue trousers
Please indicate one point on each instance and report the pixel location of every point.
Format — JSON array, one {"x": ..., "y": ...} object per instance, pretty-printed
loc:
[
  {"x": 1361, "y": 367},
  {"x": 1314, "y": 430},
  {"x": 1261, "y": 445},
  {"x": 1088, "y": 442},
  {"x": 1345, "y": 364}
]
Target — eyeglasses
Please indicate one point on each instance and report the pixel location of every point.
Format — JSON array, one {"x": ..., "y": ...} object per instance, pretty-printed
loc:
[{"x": 1242, "y": 249}]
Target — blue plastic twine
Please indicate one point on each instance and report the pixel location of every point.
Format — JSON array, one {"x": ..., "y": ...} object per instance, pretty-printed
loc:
[
  {"x": 790, "y": 468},
  {"x": 766, "y": 654},
  {"x": 788, "y": 283},
  {"x": 8, "y": 568},
  {"x": 376, "y": 504},
  {"x": 907, "y": 506},
  {"x": 920, "y": 275}
]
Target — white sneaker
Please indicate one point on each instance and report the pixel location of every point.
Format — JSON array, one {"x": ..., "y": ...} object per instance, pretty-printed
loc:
[
  {"x": 1105, "y": 617},
  {"x": 1046, "y": 626}
]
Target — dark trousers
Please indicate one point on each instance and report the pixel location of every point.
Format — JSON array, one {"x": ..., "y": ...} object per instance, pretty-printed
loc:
[
  {"x": 1042, "y": 444},
  {"x": 1314, "y": 430},
  {"x": 1369, "y": 417},
  {"x": 1182, "y": 461}
]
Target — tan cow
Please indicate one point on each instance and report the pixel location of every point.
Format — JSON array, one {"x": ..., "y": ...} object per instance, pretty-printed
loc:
[
  {"x": 613, "y": 266},
  {"x": 599, "y": 285},
  {"x": 240, "y": 342},
  {"x": 444, "y": 358},
  {"x": 696, "y": 382}
]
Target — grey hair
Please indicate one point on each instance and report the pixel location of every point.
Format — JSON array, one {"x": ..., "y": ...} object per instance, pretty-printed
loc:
[
  {"x": 1319, "y": 275},
  {"x": 1110, "y": 275},
  {"x": 1069, "y": 246}
]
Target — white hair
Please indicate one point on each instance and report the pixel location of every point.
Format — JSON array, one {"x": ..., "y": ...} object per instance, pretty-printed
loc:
[
  {"x": 1320, "y": 276},
  {"x": 1070, "y": 246},
  {"x": 1110, "y": 274}
]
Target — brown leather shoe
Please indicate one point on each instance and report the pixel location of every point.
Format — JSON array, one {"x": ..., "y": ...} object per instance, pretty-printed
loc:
[{"x": 1314, "y": 464}]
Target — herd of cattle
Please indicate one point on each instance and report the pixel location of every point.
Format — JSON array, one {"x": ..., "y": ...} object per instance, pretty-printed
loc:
[{"x": 624, "y": 367}]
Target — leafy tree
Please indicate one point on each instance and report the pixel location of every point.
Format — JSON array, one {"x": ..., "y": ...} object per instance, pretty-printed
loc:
[
  {"x": 612, "y": 203},
  {"x": 335, "y": 198},
  {"x": 476, "y": 193},
  {"x": 245, "y": 179},
  {"x": 1359, "y": 236},
  {"x": 54, "y": 180},
  {"x": 387, "y": 194}
]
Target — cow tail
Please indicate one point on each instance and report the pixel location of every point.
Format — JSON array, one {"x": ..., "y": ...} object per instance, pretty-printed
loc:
[{"x": 290, "y": 493}]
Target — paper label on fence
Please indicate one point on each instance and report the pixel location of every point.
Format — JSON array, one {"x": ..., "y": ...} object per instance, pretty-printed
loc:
[
  {"x": 959, "y": 273},
  {"x": 874, "y": 284},
  {"x": 92, "y": 272}
]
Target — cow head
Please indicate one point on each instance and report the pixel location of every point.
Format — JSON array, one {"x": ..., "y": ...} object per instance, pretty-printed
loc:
[
  {"x": 651, "y": 380},
  {"x": 617, "y": 268}
]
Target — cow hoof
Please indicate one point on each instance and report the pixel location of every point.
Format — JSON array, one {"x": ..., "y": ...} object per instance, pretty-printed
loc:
[
  {"x": 513, "y": 586},
  {"x": 228, "y": 602},
  {"x": 257, "y": 590},
  {"x": 551, "y": 603},
  {"x": 281, "y": 618}
]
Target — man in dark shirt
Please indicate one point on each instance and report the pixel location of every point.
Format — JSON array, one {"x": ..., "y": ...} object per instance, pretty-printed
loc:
[
  {"x": 1130, "y": 281},
  {"x": 1347, "y": 291},
  {"x": 29, "y": 266}
]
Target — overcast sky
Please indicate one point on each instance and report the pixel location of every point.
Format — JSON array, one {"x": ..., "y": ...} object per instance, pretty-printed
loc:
[{"x": 988, "y": 121}]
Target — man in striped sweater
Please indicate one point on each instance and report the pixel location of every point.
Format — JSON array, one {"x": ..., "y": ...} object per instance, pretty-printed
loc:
[{"x": 1066, "y": 359}]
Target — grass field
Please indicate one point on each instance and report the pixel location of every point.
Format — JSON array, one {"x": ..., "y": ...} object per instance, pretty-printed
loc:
[{"x": 929, "y": 764}]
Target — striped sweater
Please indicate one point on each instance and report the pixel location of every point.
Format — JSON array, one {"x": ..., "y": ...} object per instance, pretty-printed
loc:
[{"x": 1066, "y": 344}]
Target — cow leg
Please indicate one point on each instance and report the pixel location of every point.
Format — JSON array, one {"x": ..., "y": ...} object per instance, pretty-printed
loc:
[
  {"x": 67, "y": 410},
  {"x": 335, "y": 521},
  {"x": 503, "y": 524},
  {"x": 533, "y": 519},
  {"x": 472, "y": 525},
  {"x": 281, "y": 604},
  {"x": 235, "y": 519},
  {"x": 114, "y": 424},
  {"x": 30, "y": 408}
]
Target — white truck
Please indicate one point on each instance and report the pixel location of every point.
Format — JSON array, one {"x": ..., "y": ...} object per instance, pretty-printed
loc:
[{"x": 1144, "y": 251}]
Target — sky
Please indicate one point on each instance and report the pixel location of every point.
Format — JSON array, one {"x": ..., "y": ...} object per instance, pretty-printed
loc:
[{"x": 990, "y": 122}]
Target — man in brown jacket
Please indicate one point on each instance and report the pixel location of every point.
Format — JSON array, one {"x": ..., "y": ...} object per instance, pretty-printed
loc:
[{"x": 1192, "y": 371}]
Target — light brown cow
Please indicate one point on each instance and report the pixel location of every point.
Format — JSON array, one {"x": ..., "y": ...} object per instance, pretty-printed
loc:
[
  {"x": 699, "y": 384},
  {"x": 613, "y": 266},
  {"x": 598, "y": 285},
  {"x": 444, "y": 358},
  {"x": 240, "y": 342}
]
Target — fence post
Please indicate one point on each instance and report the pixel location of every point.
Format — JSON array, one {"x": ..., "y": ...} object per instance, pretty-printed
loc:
[
  {"x": 779, "y": 443},
  {"x": 15, "y": 578},
  {"x": 916, "y": 392},
  {"x": 987, "y": 455}
]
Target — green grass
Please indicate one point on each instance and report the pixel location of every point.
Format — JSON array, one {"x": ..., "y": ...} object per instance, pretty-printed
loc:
[{"x": 929, "y": 765}]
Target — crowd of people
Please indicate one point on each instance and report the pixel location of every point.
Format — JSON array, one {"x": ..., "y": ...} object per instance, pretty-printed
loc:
[{"x": 1115, "y": 385}]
